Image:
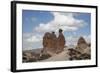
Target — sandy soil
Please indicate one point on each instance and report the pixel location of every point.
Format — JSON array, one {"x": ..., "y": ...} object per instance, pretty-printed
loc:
[{"x": 59, "y": 57}]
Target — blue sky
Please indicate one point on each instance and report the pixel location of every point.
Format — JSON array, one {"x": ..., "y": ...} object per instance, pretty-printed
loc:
[
  {"x": 33, "y": 18},
  {"x": 36, "y": 23}
]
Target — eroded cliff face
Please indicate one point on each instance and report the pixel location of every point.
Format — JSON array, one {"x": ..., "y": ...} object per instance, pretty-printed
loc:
[
  {"x": 52, "y": 44},
  {"x": 84, "y": 48},
  {"x": 81, "y": 45}
]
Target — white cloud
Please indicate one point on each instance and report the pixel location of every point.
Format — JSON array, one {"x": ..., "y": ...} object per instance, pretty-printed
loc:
[
  {"x": 34, "y": 38},
  {"x": 66, "y": 21},
  {"x": 72, "y": 40},
  {"x": 32, "y": 41}
]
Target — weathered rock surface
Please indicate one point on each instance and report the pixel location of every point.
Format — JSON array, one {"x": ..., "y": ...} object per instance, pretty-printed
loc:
[
  {"x": 52, "y": 44},
  {"x": 32, "y": 56},
  {"x": 81, "y": 45},
  {"x": 29, "y": 56},
  {"x": 49, "y": 44},
  {"x": 60, "y": 43},
  {"x": 52, "y": 52}
]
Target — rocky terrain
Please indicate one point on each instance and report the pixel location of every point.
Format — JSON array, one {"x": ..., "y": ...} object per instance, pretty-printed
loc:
[{"x": 82, "y": 51}]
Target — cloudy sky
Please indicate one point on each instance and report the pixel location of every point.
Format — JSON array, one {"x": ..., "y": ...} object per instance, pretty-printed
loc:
[{"x": 36, "y": 23}]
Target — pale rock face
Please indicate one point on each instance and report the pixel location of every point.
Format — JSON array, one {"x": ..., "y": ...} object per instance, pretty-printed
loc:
[
  {"x": 81, "y": 45},
  {"x": 81, "y": 41},
  {"x": 87, "y": 50}
]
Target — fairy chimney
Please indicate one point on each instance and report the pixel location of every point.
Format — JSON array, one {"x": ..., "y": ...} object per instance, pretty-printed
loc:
[
  {"x": 60, "y": 41},
  {"x": 49, "y": 43},
  {"x": 52, "y": 44},
  {"x": 81, "y": 44},
  {"x": 81, "y": 41}
]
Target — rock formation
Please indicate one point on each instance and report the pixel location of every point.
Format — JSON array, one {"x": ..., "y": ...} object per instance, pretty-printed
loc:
[
  {"x": 81, "y": 41},
  {"x": 54, "y": 49},
  {"x": 49, "y": 43},
  {"x": 60, "y": 42},
  {"x": 29, "y": 56},
  {"x": 52, "y": 44},
  {"x": 84, "y": 48},
  {"x": 81, "y": 45}
]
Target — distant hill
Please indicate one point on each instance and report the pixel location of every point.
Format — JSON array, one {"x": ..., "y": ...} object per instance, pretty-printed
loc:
[{"x": 33, "y": 50}]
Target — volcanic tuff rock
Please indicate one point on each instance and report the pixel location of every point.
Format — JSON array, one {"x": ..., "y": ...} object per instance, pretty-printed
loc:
[
  {"x": 52, "y": 44},
  {"x": 82, "y": 45}
]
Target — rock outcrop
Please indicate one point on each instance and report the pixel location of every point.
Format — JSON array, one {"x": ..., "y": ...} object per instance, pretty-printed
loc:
[
  {"x": 49, "y": 43},
  {"x": 81, "y": 45},
  {"x": 60, "y": 43},
  {"x": 84, "y": 48},
  {"x": 54, "y": 49},
  {"x": 52, "y": 44},
  {"x": 29, "y": 56}
]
